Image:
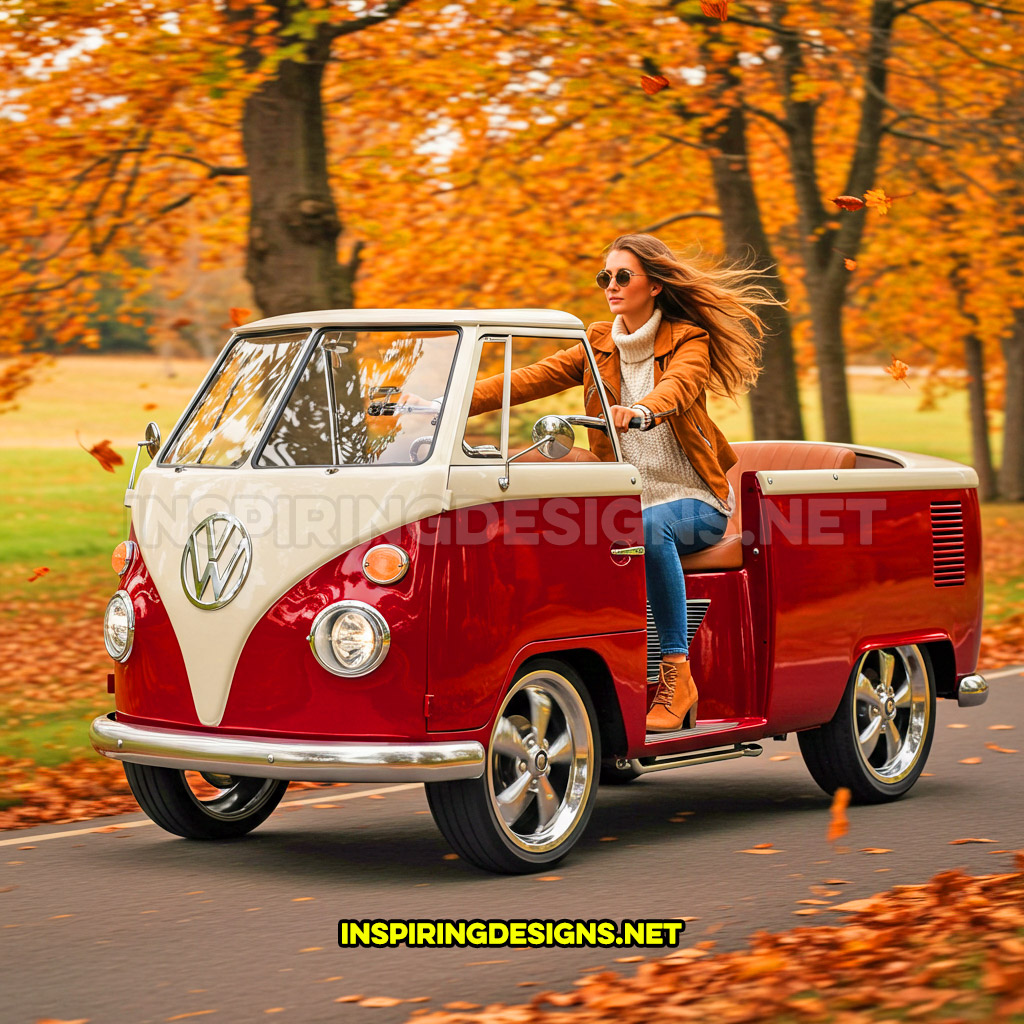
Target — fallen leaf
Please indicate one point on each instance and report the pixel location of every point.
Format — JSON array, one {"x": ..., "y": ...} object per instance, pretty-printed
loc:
[
  {"x": 839, "y": 825},
  {"x": 380, "y": 1001},
  {"x": 451, "y": 856},
  {"x": 853, "y": 906},
  {"x": 653, "y": 83},
  {"x": 837, "y": 881},
  {"x": 549, "y": 878},
  {"x": 763, "y": 846},
  {"x": 715, "y": 9},
  {"x": 956, "y": 725},
  {"x": 759, "y": 850},
  {"x": 609, "y": 839},
  {"x": 103, "y": 454},
  {"x": 628, "y": 959},
  {"x": 459, "y": 1005},
  {"x": 780, "y": 757},
  {"x": 806, "y": 912},
  {"x": 1001, "y": 750},
  {"x": 961, "y": 842},
  {"x": 996, "y": 727},
  {"x": 876, "y": 199},
  {"x": 970, "y": 760},
  {"x": 875, "y": 849},
  {"x": 849, "y": 203},
  {"x": 348, "y": 999},
  {"x": 816, "y": 903}
]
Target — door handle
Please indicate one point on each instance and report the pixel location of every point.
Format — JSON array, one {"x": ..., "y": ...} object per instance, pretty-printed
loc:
[{"x": 626, "y": 552}]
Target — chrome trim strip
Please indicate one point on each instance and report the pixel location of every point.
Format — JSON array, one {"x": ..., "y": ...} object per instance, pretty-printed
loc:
[
  {"x": 971, "y": 691},
  {"x": 295, "y": 760},
  {"x": 628, "y": 551}
]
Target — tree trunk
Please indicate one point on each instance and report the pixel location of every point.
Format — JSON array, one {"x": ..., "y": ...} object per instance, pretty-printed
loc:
[
  {"x": 981, "y": 450},
  {"x": 827, "y": 319},
  {"x": 1011, "y": 472},
  {"x": 775, "y": 402},
  {"x": 294, "y": 224}
]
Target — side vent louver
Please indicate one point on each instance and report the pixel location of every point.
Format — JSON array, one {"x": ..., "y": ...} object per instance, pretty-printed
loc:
[
  {"x": 948, "y": 562},
  {"x": 695, "y": 612}
]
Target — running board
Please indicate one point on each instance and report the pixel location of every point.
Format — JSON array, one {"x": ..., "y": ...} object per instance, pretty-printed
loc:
[{"x": 666, "y": 761}]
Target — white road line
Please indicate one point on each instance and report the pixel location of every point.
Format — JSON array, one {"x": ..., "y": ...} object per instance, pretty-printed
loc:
[
  {"x": 1018, "y": 671},
  {"x": 28, "y": 840}
]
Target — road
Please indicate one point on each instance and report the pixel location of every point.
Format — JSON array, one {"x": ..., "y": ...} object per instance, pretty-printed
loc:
[{"x": 137, "y": 926}]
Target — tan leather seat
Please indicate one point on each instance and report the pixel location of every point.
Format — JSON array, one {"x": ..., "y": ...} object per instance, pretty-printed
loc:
[
  {"x": 576, "y": 455},
  {"x": 753, "y": 457}
]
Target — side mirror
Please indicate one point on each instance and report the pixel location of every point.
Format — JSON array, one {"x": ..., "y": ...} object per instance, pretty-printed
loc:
[
  {"x": 152, "y": 441},
  {"x": 552, "y": 436}
]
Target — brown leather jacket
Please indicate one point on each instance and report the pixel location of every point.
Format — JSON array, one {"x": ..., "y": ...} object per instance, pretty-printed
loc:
[{"x": 681, "y": 371}]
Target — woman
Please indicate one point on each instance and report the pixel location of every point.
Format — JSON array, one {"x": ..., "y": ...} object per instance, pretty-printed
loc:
[{"x": 678, "y": 332}]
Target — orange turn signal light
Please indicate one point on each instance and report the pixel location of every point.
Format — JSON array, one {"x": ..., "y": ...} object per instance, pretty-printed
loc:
[
  {"x": 123, "y": 556},
  {"x": 385, "y": 563}
]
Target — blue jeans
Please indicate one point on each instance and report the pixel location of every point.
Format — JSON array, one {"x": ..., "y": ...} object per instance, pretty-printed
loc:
[{"x": 672, "y": 529}]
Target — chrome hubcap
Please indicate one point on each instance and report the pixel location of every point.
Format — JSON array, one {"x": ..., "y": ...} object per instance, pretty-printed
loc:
[
  {"x": 541, "y": 762},
  {"x": 891, "y": 710},
  {"x": 228, "y": 797}
]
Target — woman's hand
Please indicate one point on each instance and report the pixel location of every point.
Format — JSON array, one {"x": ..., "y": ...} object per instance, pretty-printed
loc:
[{"x": 621, "y": 415}]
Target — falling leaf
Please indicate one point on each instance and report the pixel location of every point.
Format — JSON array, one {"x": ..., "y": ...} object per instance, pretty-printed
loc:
[
  {"x": 149, "y": 407},
  {"x": 849, "y": 203},
  {"x": 850, "y": 265},
  {"x": 876, "y": 199},
  {"x": 715, "y": 9},
  {"x": 839, "y": 825},
  {"x": 897, "y": 369},
  {"x": 970, "y": 760},
  {"x": 239, "y": 315},
  {"x": 962, "y": 842},
  {"x": 103, "y": 454},
  {"x": 381, "y": 1001},
  {"x": 182, "y": 322},
  {"x": 875, "y": 849},
  {"x": 653, "y": 83},
  {"x": 38, "y": 573},
  {"x": 1001, "y": 750}
]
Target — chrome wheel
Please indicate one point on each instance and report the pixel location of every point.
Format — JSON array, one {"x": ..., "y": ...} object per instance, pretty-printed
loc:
[
  {"x": 229, "y": 797},
  {"x": 891, "y": 711},
  {"x": 534, "y": 799},
  {"x": 541, "y": 765},
  {"x": 877, "y": 742}
]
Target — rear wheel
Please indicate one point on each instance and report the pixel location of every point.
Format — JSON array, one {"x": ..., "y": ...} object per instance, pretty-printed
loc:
[
  {"x": 533, "y": 801},
  {"x": 878, "y": 740},
  {"x": 203, "y": 805}
]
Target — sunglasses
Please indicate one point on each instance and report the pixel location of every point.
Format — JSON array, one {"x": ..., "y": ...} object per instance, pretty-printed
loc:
[{"x": 622, "y": 278}]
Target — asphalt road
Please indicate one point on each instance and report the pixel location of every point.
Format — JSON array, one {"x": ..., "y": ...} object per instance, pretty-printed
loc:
[{"x": 135, "y": 925}]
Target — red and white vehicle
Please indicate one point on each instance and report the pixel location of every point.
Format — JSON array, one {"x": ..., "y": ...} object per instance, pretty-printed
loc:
[{"x": 331, "y": 578}]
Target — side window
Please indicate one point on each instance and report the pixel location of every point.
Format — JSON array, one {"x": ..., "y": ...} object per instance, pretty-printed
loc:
[
  {"x": 525, "y": 352},
  {"x": 482, "y": 439}
]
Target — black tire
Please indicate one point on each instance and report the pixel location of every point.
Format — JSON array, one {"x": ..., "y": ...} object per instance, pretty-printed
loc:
[
  {"x": 239, "y": 805},
  {"x": 894, "y": 686},
  {"x": 614, "y": 776},
  {"x": 541, "y": 829}
]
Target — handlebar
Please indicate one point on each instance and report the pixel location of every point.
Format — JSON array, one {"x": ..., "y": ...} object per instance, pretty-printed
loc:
[{"x": 597, "y": 423}]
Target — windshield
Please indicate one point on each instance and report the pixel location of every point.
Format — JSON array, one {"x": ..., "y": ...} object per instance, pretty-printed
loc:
[
  {"x": 365, "y": 398},
  {"x": 227, "y": 421}
]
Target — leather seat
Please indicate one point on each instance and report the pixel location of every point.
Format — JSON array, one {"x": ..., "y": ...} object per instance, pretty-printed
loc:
[{"x": 753, "y": 457}]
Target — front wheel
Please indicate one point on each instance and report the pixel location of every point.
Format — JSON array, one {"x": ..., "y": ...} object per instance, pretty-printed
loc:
[
  {"x": 878, "y": 740},
  {"x": 533, "y": 801},
  {"x": 206, "y": 805}
]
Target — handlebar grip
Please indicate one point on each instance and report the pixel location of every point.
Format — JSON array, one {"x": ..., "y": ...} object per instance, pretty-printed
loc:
[{"x": 635, "y": 422}]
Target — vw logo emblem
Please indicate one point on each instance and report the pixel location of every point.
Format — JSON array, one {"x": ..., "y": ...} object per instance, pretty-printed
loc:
[{"x": 217, "y": 556}]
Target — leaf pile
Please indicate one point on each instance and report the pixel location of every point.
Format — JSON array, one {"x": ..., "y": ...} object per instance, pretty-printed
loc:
[{"x": 949, "y": 950}]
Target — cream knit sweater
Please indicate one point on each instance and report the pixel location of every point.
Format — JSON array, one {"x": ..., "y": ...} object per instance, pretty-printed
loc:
[{"x": 664, "y": 468}]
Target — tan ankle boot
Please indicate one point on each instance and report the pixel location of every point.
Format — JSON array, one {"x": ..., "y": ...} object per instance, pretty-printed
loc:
[{"x": 676, "y": 699}]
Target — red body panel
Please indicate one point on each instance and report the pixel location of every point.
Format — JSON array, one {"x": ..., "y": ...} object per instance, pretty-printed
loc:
[{"x": 507, "y": 587}]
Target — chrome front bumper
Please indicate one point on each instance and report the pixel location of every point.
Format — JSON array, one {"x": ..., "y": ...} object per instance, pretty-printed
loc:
[
  {"x": 971, "y": 691},
  {"x": 295, "y": 760}
]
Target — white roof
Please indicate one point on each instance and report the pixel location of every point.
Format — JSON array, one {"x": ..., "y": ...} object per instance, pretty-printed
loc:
[{"x": 551, "y": 318}]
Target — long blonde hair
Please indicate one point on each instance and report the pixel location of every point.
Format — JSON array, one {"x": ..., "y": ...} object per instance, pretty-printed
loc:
[{"x": 721, "y": 299}]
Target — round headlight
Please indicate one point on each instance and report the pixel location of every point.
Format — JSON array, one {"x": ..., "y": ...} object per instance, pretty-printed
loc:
[
  {"x": 349, "y": 638},
  {"x": 119, "y": 626}
]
